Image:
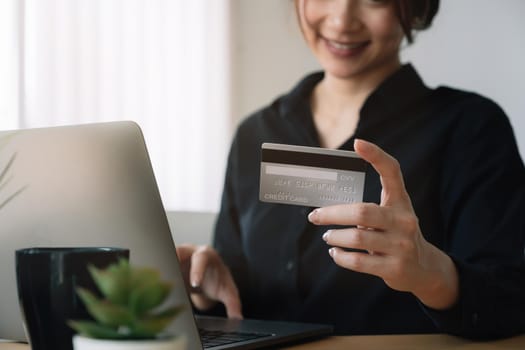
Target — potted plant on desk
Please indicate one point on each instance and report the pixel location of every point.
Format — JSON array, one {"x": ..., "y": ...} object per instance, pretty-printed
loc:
[
  {"x": 126, "y": 316},
  {"x": 5, "y": 166}
]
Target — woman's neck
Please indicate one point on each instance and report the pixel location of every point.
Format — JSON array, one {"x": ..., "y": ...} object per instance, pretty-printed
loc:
[
  {"x": 358, "y": 87},
  {"x": 336, "y": 103}
]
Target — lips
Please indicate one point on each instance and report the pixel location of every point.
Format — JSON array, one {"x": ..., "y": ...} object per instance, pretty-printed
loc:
[{"x": 345, "y": 49}]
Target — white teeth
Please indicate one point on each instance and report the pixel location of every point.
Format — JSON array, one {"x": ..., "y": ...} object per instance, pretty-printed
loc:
[{"x": 344, "y": 46}]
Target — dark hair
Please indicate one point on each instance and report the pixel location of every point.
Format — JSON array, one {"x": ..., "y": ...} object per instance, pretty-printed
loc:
[{"x": 415, "y": 15}]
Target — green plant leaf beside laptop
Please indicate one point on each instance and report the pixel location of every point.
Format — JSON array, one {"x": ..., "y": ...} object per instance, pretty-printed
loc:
[
  {"x": 128, "y": 309},
  {"x": 4, "y": 172}
]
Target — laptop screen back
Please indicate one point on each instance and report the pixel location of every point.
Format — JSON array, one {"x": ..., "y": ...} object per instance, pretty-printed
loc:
[{"x": 89, "y": 185}]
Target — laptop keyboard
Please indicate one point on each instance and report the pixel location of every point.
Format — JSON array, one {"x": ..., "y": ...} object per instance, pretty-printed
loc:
[{"x": 211, "y": 338}]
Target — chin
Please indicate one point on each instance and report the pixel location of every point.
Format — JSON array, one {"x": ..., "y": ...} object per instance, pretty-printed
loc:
[{"x": 342, "y": 73}]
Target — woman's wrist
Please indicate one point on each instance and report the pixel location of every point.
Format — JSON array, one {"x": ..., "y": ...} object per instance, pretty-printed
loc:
[{"x": 439, "y": 288}]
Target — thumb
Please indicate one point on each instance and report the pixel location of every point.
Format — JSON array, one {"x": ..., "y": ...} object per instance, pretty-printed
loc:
[{"x": 389, "y": 172}]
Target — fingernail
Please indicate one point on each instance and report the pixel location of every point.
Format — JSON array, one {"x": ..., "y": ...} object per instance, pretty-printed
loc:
[
  {"x": 325, "y": 235},
  {"x": 194, "y": 284},
  {"x": 313, "y": 216},
  {"x": 362, "y": 143},
  {"x": 331, "y": 251}
]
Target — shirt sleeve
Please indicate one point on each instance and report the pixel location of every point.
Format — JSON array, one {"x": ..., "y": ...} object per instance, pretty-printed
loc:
[
  {"x": 227, "y": 235},
  {"x": 483, "y": 196}
]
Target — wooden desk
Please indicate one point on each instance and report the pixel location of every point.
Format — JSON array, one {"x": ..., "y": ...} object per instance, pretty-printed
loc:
[
  {"x": 388, "y": 342},
  {"x": 409, "y": 342}
]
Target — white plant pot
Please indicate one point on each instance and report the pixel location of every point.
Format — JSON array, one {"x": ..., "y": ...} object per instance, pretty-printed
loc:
[{"x": 85, "y": 343}]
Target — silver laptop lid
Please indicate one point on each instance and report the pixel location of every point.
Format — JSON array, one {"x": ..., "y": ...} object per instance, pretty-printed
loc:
[{"x": 89, "y": 185}]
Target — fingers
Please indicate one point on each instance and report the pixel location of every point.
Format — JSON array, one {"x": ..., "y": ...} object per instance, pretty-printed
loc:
[
  {"x": 387, "y": 167},
  {"x": 200, "y": 261},
  {"x": 359, "y": 262},
  {"x": 394, "y": 195},
  {"x": 358, "y": 239},
  {"x": 390, "y": 231},
  {"x": 184, "y": 251},
  {"x": 358, "y": 214},
  {"x": 229, "y": 296},
  {"x": 211, "y": 279},
  {"x": 222, "y": 287}
]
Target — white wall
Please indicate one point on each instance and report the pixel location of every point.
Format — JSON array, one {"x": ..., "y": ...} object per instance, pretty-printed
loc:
[
  {"x": 9, "y": 50},
  {"x": 269, "y": 55},
  {"x": 191, "y": 227},
  {"x": 477, "y": 45}
]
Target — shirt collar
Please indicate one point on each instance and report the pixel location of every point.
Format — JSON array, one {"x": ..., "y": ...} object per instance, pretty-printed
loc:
[
  {"x": 402, "y": 89},
  {"x": 399, "y": 90}
]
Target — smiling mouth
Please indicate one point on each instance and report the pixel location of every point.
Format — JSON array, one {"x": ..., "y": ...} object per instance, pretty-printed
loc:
[{"x": 345, "y": 48}]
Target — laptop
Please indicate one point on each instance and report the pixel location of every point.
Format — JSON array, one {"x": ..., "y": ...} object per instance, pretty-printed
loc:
[{"x": 93, "y": 185}]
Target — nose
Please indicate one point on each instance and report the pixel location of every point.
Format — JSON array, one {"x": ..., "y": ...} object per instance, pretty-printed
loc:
[{"x": 344, "y": 15}]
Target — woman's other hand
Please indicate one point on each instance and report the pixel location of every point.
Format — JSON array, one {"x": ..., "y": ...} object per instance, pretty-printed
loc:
[
  {"x": 390, "y": 233},
  {"x": 208, "y": 279}
]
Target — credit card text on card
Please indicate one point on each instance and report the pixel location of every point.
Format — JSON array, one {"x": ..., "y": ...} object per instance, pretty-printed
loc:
[{"x": 310, "y": 176}]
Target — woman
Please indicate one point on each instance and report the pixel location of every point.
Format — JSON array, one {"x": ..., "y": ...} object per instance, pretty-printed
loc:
[{"x": 441, "y": 218}]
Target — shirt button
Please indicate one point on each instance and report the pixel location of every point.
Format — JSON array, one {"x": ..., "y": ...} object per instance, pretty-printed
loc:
[{"x": 290, "y": 265}]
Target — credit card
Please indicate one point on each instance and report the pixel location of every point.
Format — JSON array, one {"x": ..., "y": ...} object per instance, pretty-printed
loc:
[{"x": 310, "y": 176}]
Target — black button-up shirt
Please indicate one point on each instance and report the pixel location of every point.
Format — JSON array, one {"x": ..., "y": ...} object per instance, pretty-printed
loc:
[{"x": 466, "y": 180}]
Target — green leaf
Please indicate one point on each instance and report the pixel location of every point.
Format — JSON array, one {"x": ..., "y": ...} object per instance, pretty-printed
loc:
[
  {"x": 95, "y": 330},
  {"x": 171, "y": 312},
  {"x": 155, "y": 324},
  {"x": 86, "y": 296},
  {"x": 147, "y": 297},
  {"x": 143, "y": 276},
  {"x": 130, "y": 294},
  {"x": 9, "y": 164},
  {"x": 104, "y": 311},
  {"x": 6, "y": 139},
  {"x": 11, "y": 196},
  {"x": 113, "y": 282},
  {"x": 4, "y": 179}
]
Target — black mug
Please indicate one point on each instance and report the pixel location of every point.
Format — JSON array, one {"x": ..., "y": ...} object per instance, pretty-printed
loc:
[{"x": 47, "y": 279}]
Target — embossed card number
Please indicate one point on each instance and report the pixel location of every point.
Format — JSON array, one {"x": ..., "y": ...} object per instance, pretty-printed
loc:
[{"x": 310, "y": 176}]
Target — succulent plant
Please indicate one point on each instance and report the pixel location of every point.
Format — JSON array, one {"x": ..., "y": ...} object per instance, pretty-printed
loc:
[
  {"x": 128, "y": 308},
  {"x": 4, "y": 174}
]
